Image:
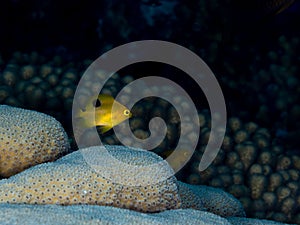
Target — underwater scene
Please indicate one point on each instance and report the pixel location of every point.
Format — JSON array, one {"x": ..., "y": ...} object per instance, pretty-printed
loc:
[{"x": 150, "y": 112}]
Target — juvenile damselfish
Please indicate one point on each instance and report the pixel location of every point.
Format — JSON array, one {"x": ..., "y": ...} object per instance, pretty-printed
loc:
[{"x": 107, "y": 113}]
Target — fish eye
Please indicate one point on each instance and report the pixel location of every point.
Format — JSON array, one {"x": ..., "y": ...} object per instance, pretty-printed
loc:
[
  {"x": 126, "y": 112},
  {"x": 96, "y": 103}
]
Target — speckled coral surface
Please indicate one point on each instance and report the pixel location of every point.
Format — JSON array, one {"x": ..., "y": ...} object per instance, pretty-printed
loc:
[
  {"x": 71, "y": 180},
  {"x": 214, "y": 200},
  {"x": 53, "y": 191},
  {"x": 28, "y": 138},
  {"x": 189, "y": 199}
]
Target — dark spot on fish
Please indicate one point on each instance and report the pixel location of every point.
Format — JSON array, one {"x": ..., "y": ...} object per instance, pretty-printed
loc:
[{"x": 96, "y": 103}]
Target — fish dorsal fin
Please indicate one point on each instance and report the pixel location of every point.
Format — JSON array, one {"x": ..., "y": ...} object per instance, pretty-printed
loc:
[{"x": 106, "y": 99}]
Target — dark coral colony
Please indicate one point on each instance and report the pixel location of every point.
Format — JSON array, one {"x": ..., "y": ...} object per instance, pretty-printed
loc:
[{"x": 47, "y": 177}]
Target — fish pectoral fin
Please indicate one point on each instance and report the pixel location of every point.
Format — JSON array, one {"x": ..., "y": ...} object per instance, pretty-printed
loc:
[{"x": 104, "y": 129}]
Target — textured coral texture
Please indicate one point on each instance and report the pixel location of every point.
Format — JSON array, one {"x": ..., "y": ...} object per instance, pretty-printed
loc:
[
  {"x": 254, "y": 168},
  {"x": 71, "y": 180},
  {"x": 28, "y": 138},
  {"x": 214, "y": 200}
]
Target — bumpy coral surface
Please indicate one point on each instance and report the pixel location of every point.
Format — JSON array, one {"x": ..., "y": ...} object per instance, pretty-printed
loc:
[
  {"x": 189, "y": 199},
  {"x": 214, "y": 200},
  {"x": 256, "y": 169},
  {"x": 71, "y": 180},
  {"x": 28, "y": 138}
]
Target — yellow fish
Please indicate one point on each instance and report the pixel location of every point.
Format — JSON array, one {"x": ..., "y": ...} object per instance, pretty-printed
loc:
[{"x": 108, "y": 113}]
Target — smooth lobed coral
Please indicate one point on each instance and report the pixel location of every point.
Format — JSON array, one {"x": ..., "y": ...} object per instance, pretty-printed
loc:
[
  {"x": 71, "y": 180},
  {"x": 12, "y": 214},
  {"x": 28, "y": 138}
]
